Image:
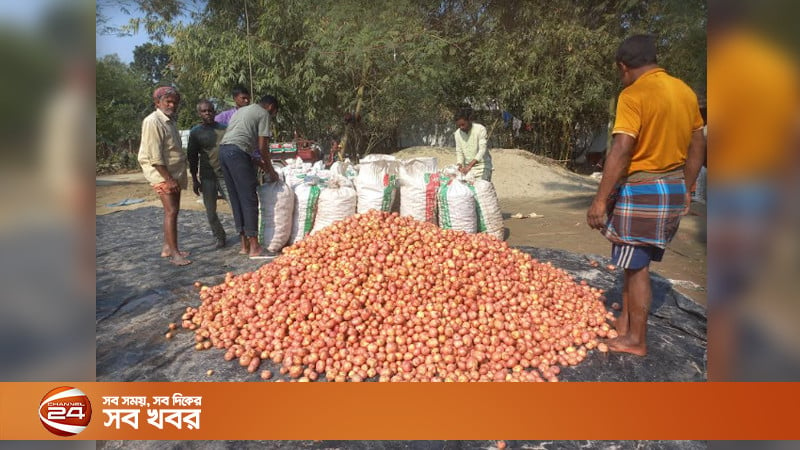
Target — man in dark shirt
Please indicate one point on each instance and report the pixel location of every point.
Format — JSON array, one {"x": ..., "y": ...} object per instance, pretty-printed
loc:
[{"x": 203, "y": 154}]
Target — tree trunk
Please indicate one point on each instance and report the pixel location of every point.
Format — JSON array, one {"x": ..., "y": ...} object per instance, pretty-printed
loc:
[
  {"x": 352, "y": 127},
  {"x": 612, "y": 111}
]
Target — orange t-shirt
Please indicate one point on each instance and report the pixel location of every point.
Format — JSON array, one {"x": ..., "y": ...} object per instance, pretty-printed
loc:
[
  {"x": 660, "y": 112},
  {"x": 754, "y": 105}
]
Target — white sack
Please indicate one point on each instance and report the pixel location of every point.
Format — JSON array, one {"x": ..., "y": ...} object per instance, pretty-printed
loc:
[
  {"x": 275, "y": 211},
  {"x": 490, "y": 217},
  {"x": 306, "y": 197},
  {"x": 419, "y": 184},
  {"x": 376, "y": 185},
  {"x": 457, "y": 206},
  {"x": 337, "y": 201}
]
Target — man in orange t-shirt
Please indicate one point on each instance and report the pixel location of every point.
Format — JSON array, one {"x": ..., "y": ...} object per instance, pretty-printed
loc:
[{"x": 657, "y": 151}]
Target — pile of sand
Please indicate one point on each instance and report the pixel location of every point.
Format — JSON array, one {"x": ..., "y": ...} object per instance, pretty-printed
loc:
[{"x": 517, "y": 173}]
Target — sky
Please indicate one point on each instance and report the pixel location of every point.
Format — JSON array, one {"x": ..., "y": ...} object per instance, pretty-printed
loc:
[{"x": 123, "y": 46}]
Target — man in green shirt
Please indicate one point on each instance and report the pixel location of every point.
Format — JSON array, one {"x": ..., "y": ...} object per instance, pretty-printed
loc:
[
  {"x": 472, "y": 154},
  {"x": 248, "y": 132},
  {"x": 203, "y": 155}
]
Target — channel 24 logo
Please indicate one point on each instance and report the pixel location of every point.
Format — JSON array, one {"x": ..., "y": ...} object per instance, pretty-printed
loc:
[{"x": 65, "y": 411}]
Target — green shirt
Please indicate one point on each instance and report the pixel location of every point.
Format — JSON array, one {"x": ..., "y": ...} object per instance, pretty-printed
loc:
[
  {"x": 246, "y": 126},
  {"x": 472, "y": 145},
  {"x": 203, "y": 148}
]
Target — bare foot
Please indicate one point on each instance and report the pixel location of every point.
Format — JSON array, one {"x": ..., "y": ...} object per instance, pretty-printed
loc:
[
  {"x": 264, "y": 254},
  {"x": 626, "y": 344},
  {"x": 166, "y": 253},
  {"x": 180, "y": 260},
  {"x": 245, "y": 245},
  {"x": 256, "y": 250}
]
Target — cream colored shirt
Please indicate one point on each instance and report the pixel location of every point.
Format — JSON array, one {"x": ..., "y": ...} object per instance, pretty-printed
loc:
[
  {"x": 472, "y": 145},
  {"x": 161, "y": 145}
]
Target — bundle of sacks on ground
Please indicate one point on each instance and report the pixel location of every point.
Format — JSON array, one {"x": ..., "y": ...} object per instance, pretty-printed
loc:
[{"x": 308, "y": 198}]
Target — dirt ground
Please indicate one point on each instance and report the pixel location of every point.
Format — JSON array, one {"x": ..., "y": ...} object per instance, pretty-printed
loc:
[{"x": 525, "y": 184}]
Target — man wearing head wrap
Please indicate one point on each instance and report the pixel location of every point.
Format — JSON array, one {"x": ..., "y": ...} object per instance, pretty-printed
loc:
[{"x": 163, "y": 162}]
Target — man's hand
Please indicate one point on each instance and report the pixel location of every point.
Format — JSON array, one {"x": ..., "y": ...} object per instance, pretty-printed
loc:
[
  {"x": 196, "y": 186},
  {"x": 597, "y": 215},
  {"x": 268, "y": 169},
  {"x": 688, "y": 200},
  {"x": 272, "y": 174},
  {"x": 616, "y": 166},
  {"x": 171, "y": 186},
  {"x": 466, "y": 168}
]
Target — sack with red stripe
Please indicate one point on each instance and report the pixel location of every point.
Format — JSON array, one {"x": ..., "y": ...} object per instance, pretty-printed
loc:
[
  {"x": 376, "y": 185},
  {"x": 419, "y": 183}
]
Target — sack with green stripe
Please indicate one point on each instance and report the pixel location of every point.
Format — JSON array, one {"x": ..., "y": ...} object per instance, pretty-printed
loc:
[
  {"x": 337, "y": 201},
  {"x": 490, "y": 215},
  {"x": 457, "y": 209},
  {"x": 376, "y": 185},
  {"x": 305, "y": 208}
]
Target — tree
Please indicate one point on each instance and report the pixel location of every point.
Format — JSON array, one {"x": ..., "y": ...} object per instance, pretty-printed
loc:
[
  {"x": 153, "y": 62},
  {"x": 386, "y": 61},
  {"x": 551, "y": 64},
  {"x": 317, "y": 57},
  {"x": 123, "y": 100},
  {"x": 408, "y": 63}
]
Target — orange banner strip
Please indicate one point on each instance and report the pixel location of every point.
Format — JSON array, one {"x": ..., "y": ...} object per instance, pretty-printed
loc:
[{"x": 384, "y": 411}]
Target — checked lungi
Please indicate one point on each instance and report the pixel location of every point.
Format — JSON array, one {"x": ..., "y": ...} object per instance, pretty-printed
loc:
[{"x": 646, "y": 213}]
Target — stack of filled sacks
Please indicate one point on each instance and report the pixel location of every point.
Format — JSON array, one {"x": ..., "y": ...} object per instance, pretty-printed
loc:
[
  {"x": 304, "y": 199},
  {"x": 309, "y": 198}
]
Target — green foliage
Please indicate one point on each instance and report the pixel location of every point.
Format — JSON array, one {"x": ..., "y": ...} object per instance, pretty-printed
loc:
[
  {"x": 315, "y": 56},
  {"x": 551, "y": 64},
  {"x": 415, "y": 61},
  {"x": 122, "y": 101},
  {"x": 152, "y": 61}
]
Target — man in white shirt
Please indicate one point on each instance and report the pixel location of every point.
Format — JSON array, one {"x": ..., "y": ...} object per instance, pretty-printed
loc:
[
  {"x": 163, "y": 163},
  {"x": 472, "y": 155}
]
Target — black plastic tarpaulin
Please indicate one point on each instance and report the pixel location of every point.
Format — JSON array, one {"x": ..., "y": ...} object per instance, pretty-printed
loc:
[{"x": 139, "y": 294}]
